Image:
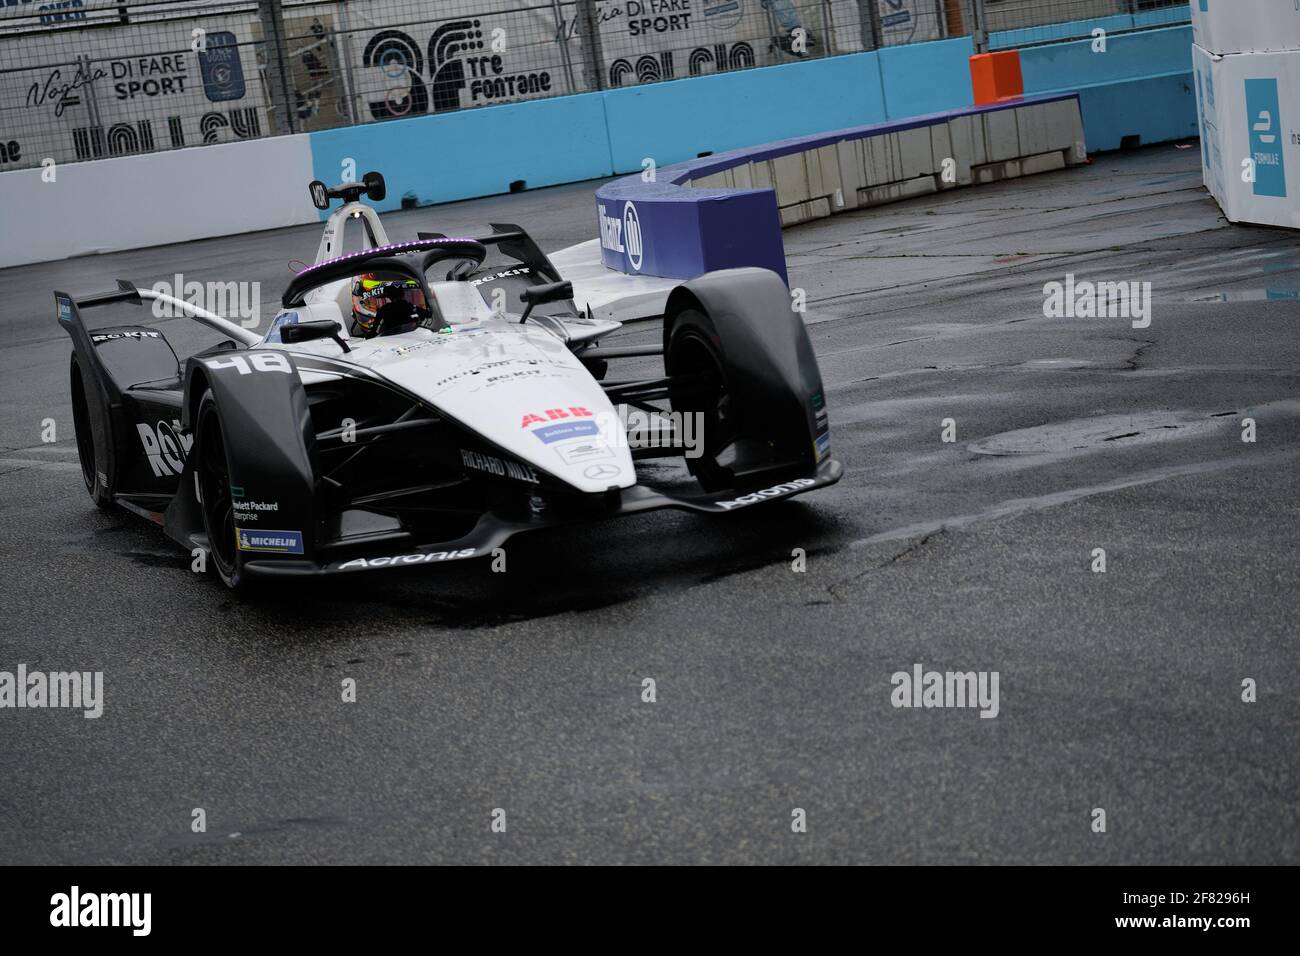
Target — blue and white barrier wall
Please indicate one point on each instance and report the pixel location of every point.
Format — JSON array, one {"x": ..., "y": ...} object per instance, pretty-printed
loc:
[
  {"x": 135, "y": 201},
  {"x": 728, "y": 210},
  {"x": 1139, "y": 91}
]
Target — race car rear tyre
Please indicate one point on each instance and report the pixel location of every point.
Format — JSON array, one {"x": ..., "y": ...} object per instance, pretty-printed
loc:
[
  {"x": 212, "y": 470},
  {"x": 700, "y": 388},
  {"x": 91, "y": 468}
]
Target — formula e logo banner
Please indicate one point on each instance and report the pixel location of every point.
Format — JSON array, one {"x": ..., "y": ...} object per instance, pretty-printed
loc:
[{"x": 1264, "y": 119}]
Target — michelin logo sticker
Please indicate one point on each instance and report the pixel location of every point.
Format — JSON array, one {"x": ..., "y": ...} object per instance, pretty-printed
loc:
[{"x": 284, "y": 542}]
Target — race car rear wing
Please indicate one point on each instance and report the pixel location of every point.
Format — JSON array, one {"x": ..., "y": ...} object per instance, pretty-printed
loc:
[
  {"x": 514, "y": 242},
  {"x": 69, "y": 310}
]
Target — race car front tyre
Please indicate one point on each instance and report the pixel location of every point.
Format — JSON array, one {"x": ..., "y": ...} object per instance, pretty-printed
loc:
[
  {"x": 212, "y": 469},
  {"x": 699, "y": 387},
  {"x": 92, "y": 469},
  {"x": 739, "y": 357}
]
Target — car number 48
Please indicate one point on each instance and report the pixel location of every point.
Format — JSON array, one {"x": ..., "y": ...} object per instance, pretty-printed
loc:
[{"x": 261, "y": 362}]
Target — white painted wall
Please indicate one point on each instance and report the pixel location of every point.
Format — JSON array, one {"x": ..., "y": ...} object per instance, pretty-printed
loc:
[{"x": 131, "y": 202}]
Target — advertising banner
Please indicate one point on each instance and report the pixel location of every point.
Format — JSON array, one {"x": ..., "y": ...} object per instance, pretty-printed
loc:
[{"x": 1249, "y": 111}]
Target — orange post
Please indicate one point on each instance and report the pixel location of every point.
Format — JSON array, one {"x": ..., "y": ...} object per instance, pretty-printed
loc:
[{"x": 996, "y": 76}]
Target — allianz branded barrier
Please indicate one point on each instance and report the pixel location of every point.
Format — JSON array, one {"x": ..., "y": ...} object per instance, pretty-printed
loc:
[
  {"x": 728, "y": 210},
  {"x": 1247, "y": 62}
]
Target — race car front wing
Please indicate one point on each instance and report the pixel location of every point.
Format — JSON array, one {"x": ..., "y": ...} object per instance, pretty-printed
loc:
[{"x": 492, "y": 530}]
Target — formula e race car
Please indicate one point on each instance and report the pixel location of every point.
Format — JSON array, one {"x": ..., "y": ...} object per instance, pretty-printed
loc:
[{"x": 389, "y": 417}]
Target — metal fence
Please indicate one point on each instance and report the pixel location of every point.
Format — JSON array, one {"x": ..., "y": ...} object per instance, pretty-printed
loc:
[
  {"x": 1019, "y": 23},
  {"x": 88, "y": 79}
]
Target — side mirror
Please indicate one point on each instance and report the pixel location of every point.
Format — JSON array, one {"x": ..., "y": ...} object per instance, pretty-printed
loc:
[
  {"x": 313, "y": 330},
  {"x": 320, "y": 194},
  {"x": 540, "y": 294},
  {"x": 375, "y": 188}
]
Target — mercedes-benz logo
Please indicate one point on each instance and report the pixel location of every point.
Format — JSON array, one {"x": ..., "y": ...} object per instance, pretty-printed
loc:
[{"x": 601, "y": 471}]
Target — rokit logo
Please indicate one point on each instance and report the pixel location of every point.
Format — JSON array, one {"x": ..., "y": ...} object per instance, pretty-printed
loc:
[
  {"x": 1265, "y": 118},
  {"x": 129, "y": 334},
  {"x": 165, "y": 447}
]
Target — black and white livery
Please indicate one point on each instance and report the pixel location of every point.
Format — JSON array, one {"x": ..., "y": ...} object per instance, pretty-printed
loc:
[{"x": 444, "y": 430}]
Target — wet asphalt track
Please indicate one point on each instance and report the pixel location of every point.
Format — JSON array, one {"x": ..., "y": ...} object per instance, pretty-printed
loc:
[{"x": 521, "y": 690}]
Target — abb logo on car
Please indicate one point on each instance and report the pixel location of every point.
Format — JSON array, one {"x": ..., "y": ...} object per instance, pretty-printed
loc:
[{"x": 555, "y": 415}]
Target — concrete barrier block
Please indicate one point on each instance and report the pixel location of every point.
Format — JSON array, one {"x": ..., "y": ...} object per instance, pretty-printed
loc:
[
  {"x": 915, "y": 153},
  {"x": 941, "y": 149},
  {"x": 791, "y": 179},
  {"x": 852, "y": 176},
  {"x": 827, "y": 163},
  {"x": 1042, "y": 163},
  {"x": 1015, "y": 168},
  {"x": 893, "y": 192},
  {"x": 805, "y": 212},
  {"x": 1064, "y": 126},
  {"x": 1065, "y": 131},
  {"x": 813, "y": 174},
  {"x": 1033, "y": 129},
  {"x": 967, "y": 136},
  {"x": 1001, "y": 135},
  {"x": 883, "y": 162}
]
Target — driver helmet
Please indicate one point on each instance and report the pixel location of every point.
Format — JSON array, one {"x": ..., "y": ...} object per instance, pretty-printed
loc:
[{"x": 372, "y": 291}]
